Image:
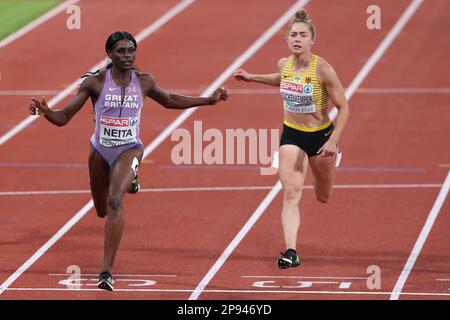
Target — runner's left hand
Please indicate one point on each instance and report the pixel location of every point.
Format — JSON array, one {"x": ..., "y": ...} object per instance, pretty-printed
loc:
[
  {"x": 219, "y": 94},
  {"x": 329, "y": 149},
  {"x": 38, "y": 107}
]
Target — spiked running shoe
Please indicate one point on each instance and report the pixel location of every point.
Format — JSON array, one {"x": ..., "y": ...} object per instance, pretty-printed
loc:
[
  {"x": 106, "y": 281},
  {"x": 289, "y": 259},
  {"x": 134, "y": 186}
]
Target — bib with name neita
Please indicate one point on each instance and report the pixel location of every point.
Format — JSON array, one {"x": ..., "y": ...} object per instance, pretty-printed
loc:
[
  {"x": 118, "y": 131},
  {"x": 118, "y": 112}
]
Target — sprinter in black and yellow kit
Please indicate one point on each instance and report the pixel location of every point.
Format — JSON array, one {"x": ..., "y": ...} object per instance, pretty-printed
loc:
[{"x": 307, "y": 83}]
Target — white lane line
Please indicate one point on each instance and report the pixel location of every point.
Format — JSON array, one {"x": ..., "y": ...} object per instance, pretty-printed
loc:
[
  {"x": 404, "y": 90},
  {"x": 304, "y": 277},
  {"x": 80, "y": 214},
  {"x": 115, "y": 275},
  {"x": 421, "y": 239},
  {"x": 250, "y": 91},
  {"x": 433, "y": 294},
  {"x": 379, "y": 52},
  {"x": 236, "y": 188},
  {"x": 235, "y": 242},
  {"x": 67, "y": 91},
  {"x": 385, "y": 186},
  {"x": 266, "y": 36},
  {"x": 333, "y": 113},
  {"x": 43, "y": 192},
  {"x": 178, "y": 121},
  {"x": 35, "y": 23}
]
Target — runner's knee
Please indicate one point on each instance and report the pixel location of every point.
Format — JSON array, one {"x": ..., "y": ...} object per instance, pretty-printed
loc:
[
  {"x": 292, "y": 194},
  {"x": 114, "y": 202}
]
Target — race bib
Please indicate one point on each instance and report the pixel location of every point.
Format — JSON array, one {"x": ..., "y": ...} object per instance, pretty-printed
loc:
[
  {"x": 298, "y": 97},
  {"x": 118, "y": 131}
]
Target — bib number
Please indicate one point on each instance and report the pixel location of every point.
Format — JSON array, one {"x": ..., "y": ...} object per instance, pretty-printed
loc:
[
  {"x": 298, "y": 97},
  {"x": 118, "y": 131}
]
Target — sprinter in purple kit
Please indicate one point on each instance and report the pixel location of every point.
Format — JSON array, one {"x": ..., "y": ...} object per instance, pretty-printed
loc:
[{"x": 117, "y": 94}]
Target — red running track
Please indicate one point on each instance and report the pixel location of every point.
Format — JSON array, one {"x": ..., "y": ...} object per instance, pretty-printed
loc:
[{"x": 173, "y": 238}]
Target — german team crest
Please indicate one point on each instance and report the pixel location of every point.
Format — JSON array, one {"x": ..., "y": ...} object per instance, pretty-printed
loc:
[{"x": 308, "y": 79}]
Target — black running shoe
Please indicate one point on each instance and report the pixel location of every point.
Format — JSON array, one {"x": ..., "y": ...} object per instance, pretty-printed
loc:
[
  {"x": 134, "y": 186},
  {"x": 289, "y": 259},
  {"x": 106, "y": 281}
]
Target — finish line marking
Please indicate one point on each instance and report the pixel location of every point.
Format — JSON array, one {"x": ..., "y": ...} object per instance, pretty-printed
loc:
[{"x": 436, "y": 294}]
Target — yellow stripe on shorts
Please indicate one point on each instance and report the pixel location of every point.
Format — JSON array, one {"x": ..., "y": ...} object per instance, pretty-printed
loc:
[{"x": 306, "y": 129}]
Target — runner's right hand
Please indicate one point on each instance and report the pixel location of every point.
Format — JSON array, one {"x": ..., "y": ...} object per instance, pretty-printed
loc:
[
  {"x": 38, "y": 107},
  {"x": 242, "y": 75}
]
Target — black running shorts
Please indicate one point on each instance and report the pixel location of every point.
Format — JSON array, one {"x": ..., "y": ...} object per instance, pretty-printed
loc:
[{"x": 310, "y": 142}]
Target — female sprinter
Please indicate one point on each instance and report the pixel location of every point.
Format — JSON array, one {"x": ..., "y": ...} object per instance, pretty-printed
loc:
[
  {"x": 306, "y": 84},
  {"x": 117, "y": 94}
]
